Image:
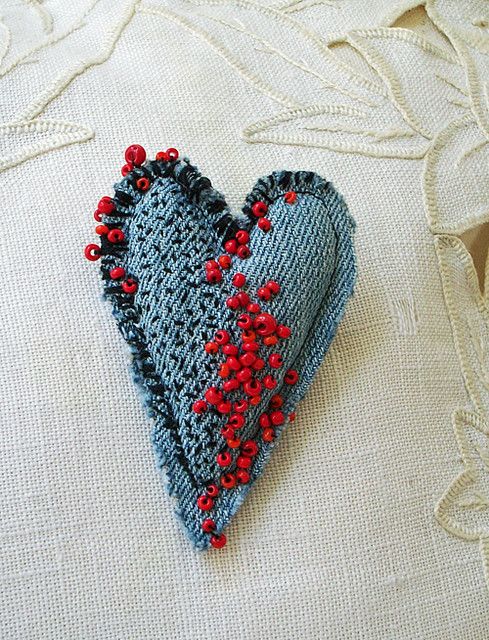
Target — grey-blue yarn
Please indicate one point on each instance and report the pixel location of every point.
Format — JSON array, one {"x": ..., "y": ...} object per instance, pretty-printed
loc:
[{"x": 171, "y": 230}]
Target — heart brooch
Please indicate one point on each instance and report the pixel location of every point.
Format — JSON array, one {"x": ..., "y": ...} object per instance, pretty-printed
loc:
[{"x": 228, "y": 316}]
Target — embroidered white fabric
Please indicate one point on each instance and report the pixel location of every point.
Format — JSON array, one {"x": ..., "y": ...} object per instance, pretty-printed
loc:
[{"x": 341, "y": 538}]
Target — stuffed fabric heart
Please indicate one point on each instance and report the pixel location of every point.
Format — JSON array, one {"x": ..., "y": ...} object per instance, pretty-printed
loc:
[{"x": 228, "y": 316}]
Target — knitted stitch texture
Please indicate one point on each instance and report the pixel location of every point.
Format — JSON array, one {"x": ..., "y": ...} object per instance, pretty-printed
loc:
[{"x": 170, "y": 231}]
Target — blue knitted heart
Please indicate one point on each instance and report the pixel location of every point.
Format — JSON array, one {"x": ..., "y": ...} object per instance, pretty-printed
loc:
[{"x": 170, "y": 300}]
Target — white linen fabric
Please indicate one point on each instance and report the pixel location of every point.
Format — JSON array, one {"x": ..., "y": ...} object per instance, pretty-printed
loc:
[{"x": 368, "y": 520}]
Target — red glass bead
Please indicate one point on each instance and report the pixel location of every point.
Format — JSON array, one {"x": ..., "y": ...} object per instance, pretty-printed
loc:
[
  {"x": 228, "y": 480},
  {"x": 224, "y": 406},
  {"x": 212, "y": 490},
  {"x": 172, "y": 153},
  {"x": 233, "y": 443},
  {"x": 236, "y": 421},
  {"x": 269, "y": 341},
  {"x": 115, "y": 236},
  {"x": 211, "y": 348},
  {"x": 227, "y": 432},
  {"x": 244, "y": 374},
  {"x": 222, "y": 337},
  {"x": 97, "y": 215},
  {"x": 230, "y": 349},
  {"x": 252, "y": 387},
  {"x": 208, "y": 525},
  {"x": 242, "y": 236},
  {"x": 231, "y": 246},
  {"x": 214, "y": 276},
  {"x": 205, "y": 503},
  {"x": 213, "y": 395},
  {"x": 277, "y": 418},
  {"x": 253, "y": 307},
  {"x": 224, "y": 262},
  {"x": 291, "y": 376},
  {"x": 269, "y": 382},
  {"x": 233, "y": 303},
  {"x": 101, "y": 229},
  {"x": 259, "y": 364},
  {"x": 249, "y": 448},
  {"x": 276, "y": 401},
  {"x": 264, "y": 324},
  {"x": 247, "y": 359},
  {"x": 250, "y": 347},
  {"x": 255, "y": 400},
  {"x": 259, "y": 209},
  {"x": 264, "y": 224},
  {"x": 244, "y": 321},
  {"x": 224, "y": 371},
  {"x": 211, "y": 264},
  {"x": 233, "y": 363},
  {"x": 106, "y": 205},
  {"x": 264, "y": 421},
  {"x": 162, "y": 156},
  {"x": 243, "y": 298},
  {"x": 117, "y": 273},
  {"x": 129, "y": 286},
  {"x": 268, "y": 435},
  {"x": 273, "y": 286},
  {"x": 292, "y": 416},
  {"x": 264, "y": 293},
  {"x": 242, "y": 476},
  {"x": 92, "y": 252},
  {"x": 283, "y": 331},
  {"x": 290, "y": 197},
  {"x": 142, "y": 184},
  {"x": 239, "y": 279},
  {"x": 241, "y": 406},
  {"x": 248, "y": 336},
  {"x": 230, "y": 385},
  {"x": 199, "y": 406},
  {"x": 243, "y": 462},
  {"x": 127, "y": 168},
  {"x": 275, "y": 360},
  {"x": 136, "y": 154},
  {"x": 224, "y": 459},
  {"x": 243, "y": 252},
  {"x": 218, "y": 541}
]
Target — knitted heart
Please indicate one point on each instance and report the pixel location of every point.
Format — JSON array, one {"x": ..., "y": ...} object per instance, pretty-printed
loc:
[{"x": 228, "y": 316}]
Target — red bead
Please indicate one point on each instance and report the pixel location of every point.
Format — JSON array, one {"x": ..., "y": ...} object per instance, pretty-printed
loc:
[
  {"x": 106, "y": 205},
  {"x": 251, "y": 347},
  {"x": 230, "y": 385},
  {"x": 211, "y": 348},
  {"x": 228, "y": 480},
  {"x": 236, "y": 421},
  {"x": 92, "y": 252},
  {"x": 243, "y": 252},
  {"x": 211, "y": 264},
  {"x": 115, "y": 236},
  {"x": 244, "y": 374},
  {"x": 264, "y": 324},
  {"x": 224, "y": 459},
  {"x": 230, "y": 349},
  {"x": 291, "y": 376},
  {"x": 214, "y": 276},
  {"x": 172, "y": 153},
  {"x": 259, "y": 364},
  {"x": 117, "y": 273},
  {"x": 224, "y": 407},
  {"x": 233, "y": 363},
  {"x": 241, "y": 406},
  {"x": 243, "y": 462},
  {"x": 277, "y": 418},
  {"x": 97, "y": 215},
  {"x": 224, "y": 262},
  {"x": 242, "y": 476},
  {"x": 231, "y": 246},
  {"x": 283, "y": 331},
  {"x": 227, "y": 433},
  {"x": 212, "y": 490},
  {"x": 136, "y": 154},
  {"x": 248, "y": 336},
  {"x": 273, "y": 286},
  {"x": 253, "y": 307},
  {"x": 218, "y": 541},
  {"x": 242, "y": 236},
  {"x": 292, "y": 416},
  {"x": 224, "y": 371},
  {"x": 233, "y": 303},
  {"x": 243, "y": 298},
  {"x": 264, "y": 293},
  {"x": 129, "y": 286},
  {"x": 247, "y": 359},
  {"x": 208, "y": 525},
  {"x": 101, "y": 229},
  {"x": 252, "y": 387},
  {"x": 213, "y": 395},
  {"x": 142, "y": 184},
  {"x": 259, "y": 209},
  {"x": 269, "y": 382},
  {"x": 275, "y": 360},
  {"x": 205, "y": 503},
  {"x": 162, "y": 156},
  {"x": 244, "y": 321},
  {"x": 255, "y": 400},
  {"x": 269, "y": 341},
  {"x": 264, "y": 421},
  {"x": 233, "y": 443},
  {"x": 276, "y": 401},
  {"x": 222, "y": 337},
  {"x": 249, "y": 448},
  {"x": 268, "y": 435},
  {"x": 239, "y": 279},
  {"x": 264, "y": 224},
  {"x": 290, "y": 197},
  {"x": 127, "y": 168},
  {"x": 199, "y": 406}
]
